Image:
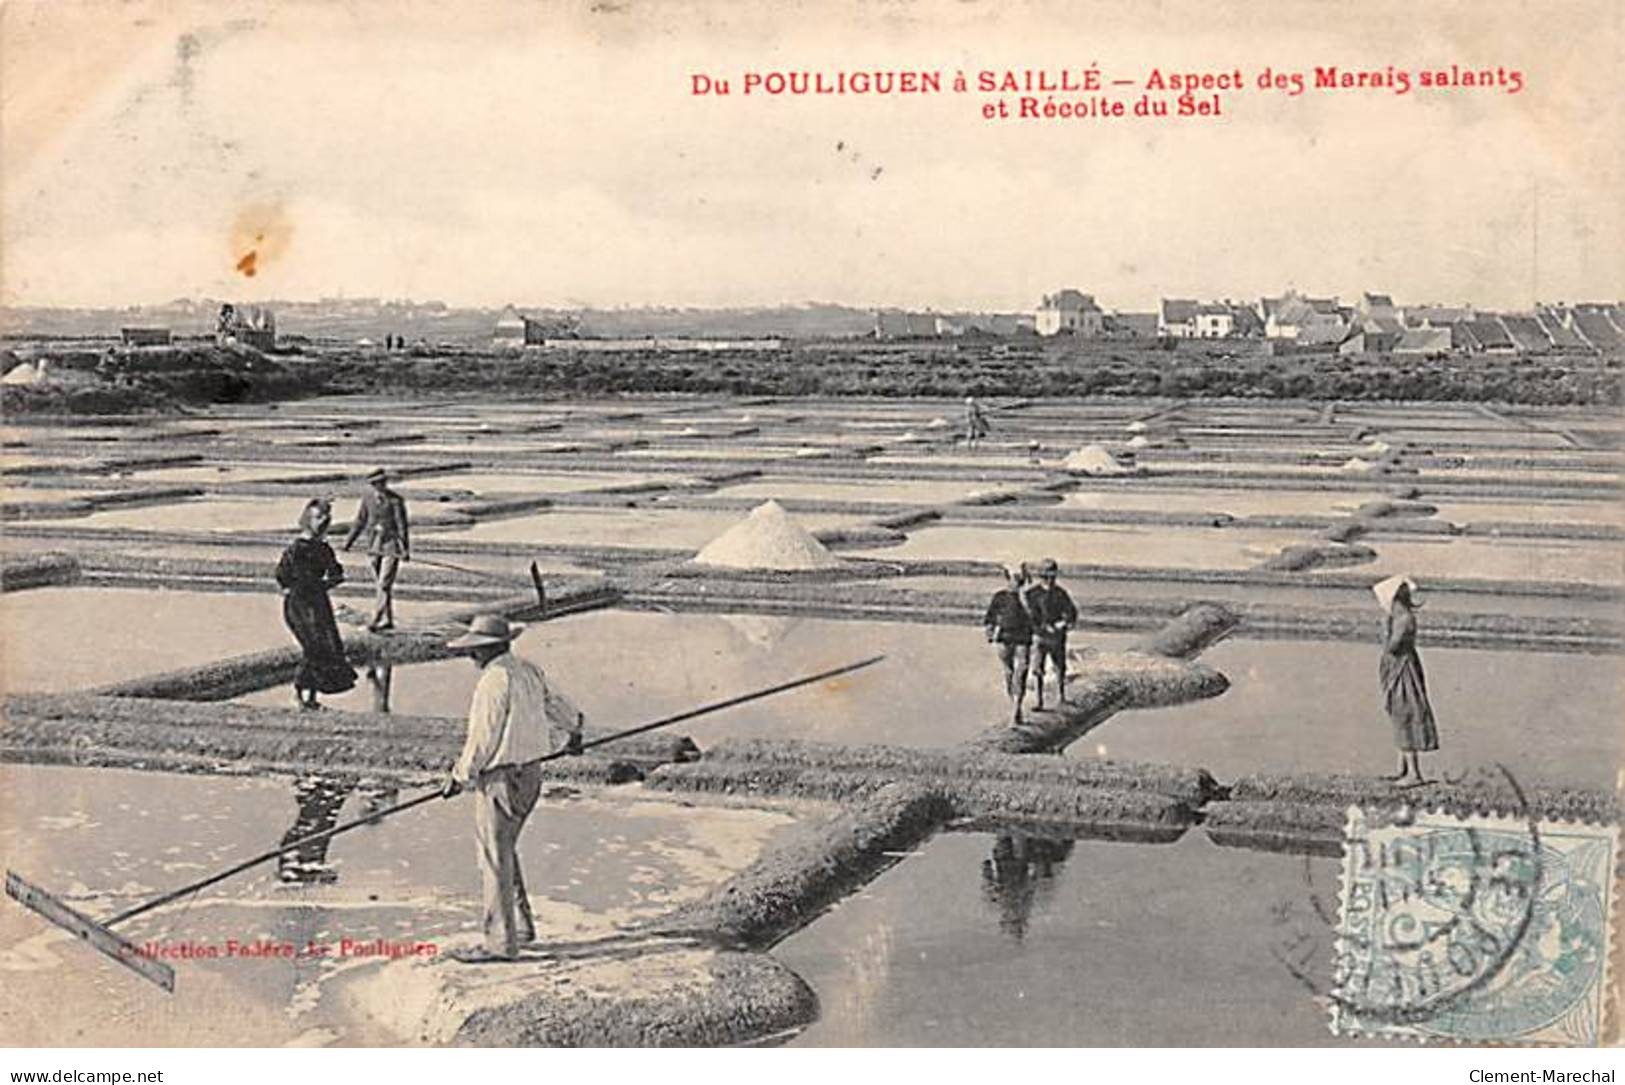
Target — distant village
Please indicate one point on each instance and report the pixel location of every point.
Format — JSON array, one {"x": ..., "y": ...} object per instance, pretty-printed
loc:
[
  {"x": 1290, "y": 323},
  {"x": 1372, "y": 325}
]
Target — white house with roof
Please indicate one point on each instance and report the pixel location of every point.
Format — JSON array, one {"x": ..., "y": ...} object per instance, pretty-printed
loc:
[
  {"x": 510, "y": 330},
  {"x": 1304, "y": 319},
  {"x": 1176, "y": 318},
  {"x": 1214, "y": 321},
  {"x": 1069, "y": 311}
]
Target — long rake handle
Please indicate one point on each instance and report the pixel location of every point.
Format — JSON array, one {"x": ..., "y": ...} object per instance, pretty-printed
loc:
[{"x": 435, "y": 793}]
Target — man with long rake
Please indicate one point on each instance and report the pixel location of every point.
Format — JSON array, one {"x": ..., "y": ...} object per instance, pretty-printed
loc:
[{"x": 517, "y": 717}]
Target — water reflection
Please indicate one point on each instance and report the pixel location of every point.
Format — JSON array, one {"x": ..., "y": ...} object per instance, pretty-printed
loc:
[
  {"x": 320, "y": 798},
  {"x": 1019, "y": 874}
]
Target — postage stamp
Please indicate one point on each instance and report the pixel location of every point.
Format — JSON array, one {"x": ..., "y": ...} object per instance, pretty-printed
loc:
[{"x": 1483, "y": 929}]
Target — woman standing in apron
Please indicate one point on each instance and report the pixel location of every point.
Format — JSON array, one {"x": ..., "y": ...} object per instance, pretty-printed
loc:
[
  {"x": 307, "y": 572},
  {"x": 1404, "y": 687}
]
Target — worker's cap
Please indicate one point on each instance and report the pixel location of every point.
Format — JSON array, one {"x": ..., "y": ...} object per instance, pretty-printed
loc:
[
  {"x": 487, "y": 629},
  {"x": 1048, "y": 566},
  {"x": 377, "y": 474}
]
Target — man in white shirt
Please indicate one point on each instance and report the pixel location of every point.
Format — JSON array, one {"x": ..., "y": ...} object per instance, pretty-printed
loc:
[{"x": 516, "y": 718}]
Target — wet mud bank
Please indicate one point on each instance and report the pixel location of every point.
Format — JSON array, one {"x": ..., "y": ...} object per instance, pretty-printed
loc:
[
  {"x": 660, "y": 993},
  {"x": 94, "y": 501},
  {"x": 191, "y": 736},
  {"x": 789, "y": 887},
  {"x": 22, "y": 571},
  {"x": 1306, "y": 812},
  {"x": 223, "y": 679}
]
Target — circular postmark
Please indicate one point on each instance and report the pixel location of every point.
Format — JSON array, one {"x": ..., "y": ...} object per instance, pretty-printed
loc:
[{"x": 1430, "y": 908}]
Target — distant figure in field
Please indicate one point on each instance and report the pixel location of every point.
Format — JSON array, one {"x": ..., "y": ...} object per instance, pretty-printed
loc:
[
  {"x": 307, "y": 572},
  {"x": 1404, "y": 688},
  {"x": 1010, "y": 631},
  {"x": 976, "y": 426},
  {"x": 382, "y": 515},
  {"x": 1053, "y": 614}
]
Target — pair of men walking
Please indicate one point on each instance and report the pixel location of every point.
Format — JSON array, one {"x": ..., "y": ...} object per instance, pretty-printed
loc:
[{"x": 1024, "y": 621}]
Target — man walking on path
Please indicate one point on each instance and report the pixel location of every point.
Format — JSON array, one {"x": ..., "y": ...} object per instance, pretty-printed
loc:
[
  {"x": 1010, "y": 631},
  {"x": 1053, "y": 614},
  {"x": 976, "y": 426},
  {"x": 382, "y": 515},
  {"x": 517, "y": 717}
]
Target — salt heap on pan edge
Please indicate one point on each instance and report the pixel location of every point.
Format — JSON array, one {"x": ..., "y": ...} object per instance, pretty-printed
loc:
[
  {"x": 1094, "y": 460},
  {"x": 767, "y": 539}
]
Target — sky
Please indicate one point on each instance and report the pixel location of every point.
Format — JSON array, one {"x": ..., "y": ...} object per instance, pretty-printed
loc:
[{"x": 551, "y": 154}]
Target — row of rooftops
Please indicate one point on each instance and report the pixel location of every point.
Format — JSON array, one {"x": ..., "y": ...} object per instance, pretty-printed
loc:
[{"x": 1592, "y": 325}]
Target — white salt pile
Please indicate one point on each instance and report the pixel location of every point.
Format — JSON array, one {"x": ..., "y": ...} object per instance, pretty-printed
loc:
[
  {"x": 767, "y": 539},
  {"x": 1358, "y": 465},
  {"x": 1139, "y": 441},
  {"x": 1136, "y": 427},
  {"x": 21, "y": 374},
  {"x": 1377, "y": 448},
  {"x": 1094, "y": 460},
  {"x": 938, "y": 422}
]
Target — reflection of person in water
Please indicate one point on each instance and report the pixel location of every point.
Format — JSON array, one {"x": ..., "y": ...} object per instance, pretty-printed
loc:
[
  {"x": 1020, "y": 869},
  {"x": 377, "y": 794},
  {"x": 320, "y": 799}
]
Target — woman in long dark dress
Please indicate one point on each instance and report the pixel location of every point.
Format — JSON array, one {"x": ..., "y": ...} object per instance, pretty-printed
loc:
[
  {"x": 1404, "y": 687},
  {"x": 307, "y": 572}
]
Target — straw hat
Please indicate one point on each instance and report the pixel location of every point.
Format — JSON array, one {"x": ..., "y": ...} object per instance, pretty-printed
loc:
[
  {"x": 487, "y": 629},
  {"x": 1386, "y": 590},
  {"x": 377, "y": 474}
]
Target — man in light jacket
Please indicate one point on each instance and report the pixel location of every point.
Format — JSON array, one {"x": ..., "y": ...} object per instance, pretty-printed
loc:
[
  {"x": 517, "y": 717},
  {"x": 382, "y": 516}
]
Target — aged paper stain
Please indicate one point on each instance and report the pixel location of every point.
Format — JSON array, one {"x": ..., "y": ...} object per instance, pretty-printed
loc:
[{"x": 260, "y": 234}]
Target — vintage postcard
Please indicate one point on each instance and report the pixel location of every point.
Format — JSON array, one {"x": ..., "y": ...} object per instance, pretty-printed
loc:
[{"x": 614, "y": 523}]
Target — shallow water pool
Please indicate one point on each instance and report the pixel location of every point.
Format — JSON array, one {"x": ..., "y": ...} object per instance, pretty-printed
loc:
[
  {"x": 213, "y": 514},
  {"x": 1125, "y": 545},
  {"x": 937, "y": 686},
  {"x": 59, "y": 639},
  {"x": 105, "y": 839},
  {"x": 243, "y": 472},
  {"x": 978, "y": 939},
  {"x": 1583, "y": 560},
  {"x": 676, "y": 529},
  {"x": 1315, "y": 706},
  {"x": 1537, "y": 512},
  {"x": 880, "y": 490},
  {"x": 1236, "y": 502},
  {"x": 483, "y": 482}
]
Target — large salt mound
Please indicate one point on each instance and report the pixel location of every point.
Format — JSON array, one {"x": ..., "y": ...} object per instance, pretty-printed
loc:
[
  {"x": 1094, "y": 460},
  {"x": 21, "y": 374},
  {"x": 767, "y": 539}
]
